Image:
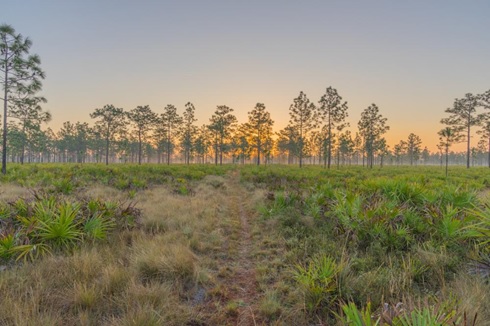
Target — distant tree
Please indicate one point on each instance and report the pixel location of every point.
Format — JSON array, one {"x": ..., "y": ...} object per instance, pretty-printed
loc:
[
  {"x": 371, "y": 127},
  {"x": 425, "y": 155},
  {"x": 358, "y": 148},
  {"x": 96, "y": 143},
  {"x": 15, "y": 142},
  {"x": 414, "y": 144},
  {"x": 66, "y": 141},
  {"x": 333, "y": 113},
  {"x": 317, "y": 141},
  {"x": 484, "y": 101},
  {"x": 258, "y": 127},
  {"x": 44, "y": 145},
  {"x": 20, "y": 73},
  {"x": 221, "y": 125},
  {"x": 268, "y": 147},
  {"x": 304, "y": 118},
  {"x": 288, "y": 142},
  {"x": 82, "y": 140},
  {"x": 399, "y": 150},
  {"x": 143, "y": 120},
  {"x": 111, "y": 121},
  {"x": 382, "y": 149},
  {"x": 170, "y": 121},
  {"x": 240, "y": 144},
  {"x": 447, "y": 137},
  {"x": 73, "y": 141},
  {"x": 440, "y": 148},
  {"x": 202, "y": 142},
  {"x": 188, "y": 133},
  {"x": 463, "y": 117},
  {"x": 346, "y": 145},
  {"x": 484, "y": 132},
  {"x": 27, "y": 109}
]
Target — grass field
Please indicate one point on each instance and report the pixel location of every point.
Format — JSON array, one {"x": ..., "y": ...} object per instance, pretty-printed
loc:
[{"x": 244, "y": 245}]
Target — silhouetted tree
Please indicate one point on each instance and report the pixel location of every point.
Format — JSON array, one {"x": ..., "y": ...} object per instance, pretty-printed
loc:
[
  {"x": 111, "y": 121},
  {"x": 170, "y": 121},
  {"x": 382, "y": 150},
  {"x": 144, "y": 120},
  {"x": 288, "y": 142},
  {"x": 484, "y": 132},
  {"x": 463, "y": 117},
  {"x": 399, "y": 150},
  {"x": 425, "y": 155},
  {"x": 333, "y": 113},
  {"x": 27, "y": 109},
  {"x": 21, "y": 74},
  {"x": 221, "y": 125},
  {"x": 240, "y": 145},
  {"x": 414, "y": 144},
  {"x": 447, "y": 137},
  {"x": 188, "y": 133},
  {"x": 304, "y": 118},
  {"x": 346, "y": 145},
  {"x": 202, "y": 142},
  {"x": 258, "y": 127},
  {"x": 371, "y": 127}
]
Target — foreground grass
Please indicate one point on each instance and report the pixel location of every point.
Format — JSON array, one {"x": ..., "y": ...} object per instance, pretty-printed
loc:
[
  {"x": 153, "y": 272},
  {"x": 374, "y": 238},
  {"x": 324, "y": 246}
]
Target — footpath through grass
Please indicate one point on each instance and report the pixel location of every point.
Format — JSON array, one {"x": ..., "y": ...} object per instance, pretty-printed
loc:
[{"x": 206, "y": 245}]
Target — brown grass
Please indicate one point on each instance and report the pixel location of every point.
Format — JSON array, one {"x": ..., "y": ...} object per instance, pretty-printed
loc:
[
  {"x": 10, "y": 192},
  {"x": 181, "y": 267}
]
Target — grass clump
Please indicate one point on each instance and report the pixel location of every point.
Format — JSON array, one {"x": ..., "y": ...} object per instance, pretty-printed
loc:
[{"x": 170, "y": 262}]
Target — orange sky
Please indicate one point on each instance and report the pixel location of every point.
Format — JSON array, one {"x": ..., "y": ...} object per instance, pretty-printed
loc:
[{"x": 409, "y": 58}]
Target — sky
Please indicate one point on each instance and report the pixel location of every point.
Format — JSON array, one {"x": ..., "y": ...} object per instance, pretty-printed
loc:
[{"x": 410, "y": 58}]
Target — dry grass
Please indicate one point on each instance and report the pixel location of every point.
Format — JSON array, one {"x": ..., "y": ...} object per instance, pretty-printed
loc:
[
  {"x": 135, "y": 278},
  {"x": 472, "y": 295},
  {"x": 104, "y": 193},
  {"x": 10, "y": 192},
  {"x": 163, "y": 261},
  {"x": 180, "y": 266},
  {"x": 153, "y": 275}
]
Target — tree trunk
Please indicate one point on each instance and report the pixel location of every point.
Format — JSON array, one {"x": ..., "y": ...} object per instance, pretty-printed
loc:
[
  {"x": 258, "y": 150},
  {"x": 468, "y": 145},
  {"x": 447, "y": 157},
  {"x": 216, "y": 152},
  {"x": 107, "y": 148},
  {"x": 5, "y": 105},
  {"x": 338, "y": 159},
  {"x": 221, "y": 151},
  {"x": 329, "y": 153},
  {"x": 139, "y": 147},
  {"x": 168, "y": 145}
]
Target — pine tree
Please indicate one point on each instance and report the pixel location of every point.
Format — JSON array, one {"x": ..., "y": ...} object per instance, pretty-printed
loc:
[
  {"x": 371, "y": 127},
  {"x": 333, "y": 113},
  {"x": 143, "y": 120},
  {"x": 21, "y": 74},
  {"x": 303, "y": 118},
  {"x": 221, "y": 125},
  {"x": 258, "y": 127},
  {"x": 463, "y": 117},
  {"x": 111, "y": 121}
]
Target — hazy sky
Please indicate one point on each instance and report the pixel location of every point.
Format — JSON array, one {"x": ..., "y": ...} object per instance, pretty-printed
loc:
[{"x": 411, "y": 58}]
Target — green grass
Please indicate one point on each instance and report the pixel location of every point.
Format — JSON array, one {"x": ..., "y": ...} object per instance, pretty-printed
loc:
[{"x": 160, "y": 245}]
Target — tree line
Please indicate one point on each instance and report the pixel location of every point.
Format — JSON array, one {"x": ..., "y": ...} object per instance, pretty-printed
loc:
[{"x": 316, "y": 134}]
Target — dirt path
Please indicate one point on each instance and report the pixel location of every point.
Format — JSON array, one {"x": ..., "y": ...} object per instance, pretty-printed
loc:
[
  {"x": 245, "y": 292},
  {"x": 233, "y": 300}
]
